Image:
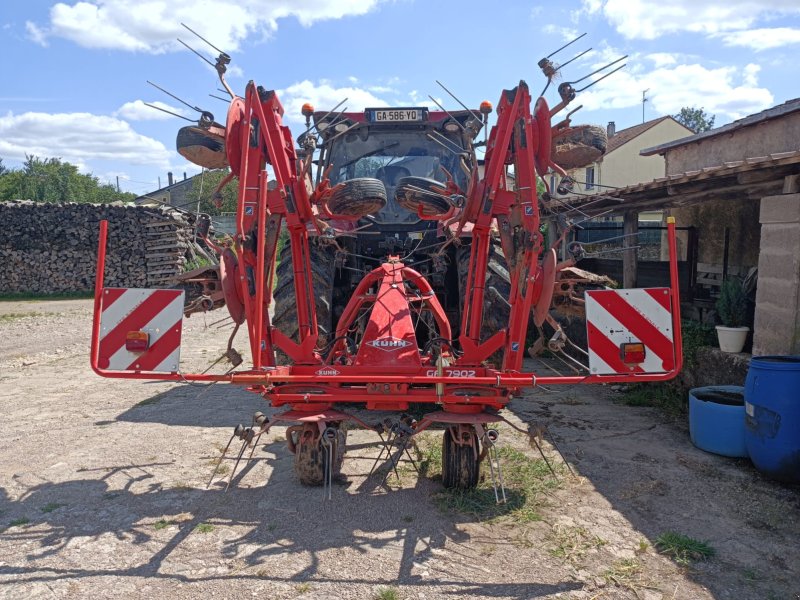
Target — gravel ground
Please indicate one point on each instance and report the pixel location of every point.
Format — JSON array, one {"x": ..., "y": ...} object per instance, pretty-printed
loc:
[{"x": 103, "y": 494}]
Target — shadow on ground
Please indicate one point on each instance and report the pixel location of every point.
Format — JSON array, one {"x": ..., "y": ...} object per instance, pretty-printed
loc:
[
  {"x": 276, "y": 532},
  {"x": 644, "y": 464}
]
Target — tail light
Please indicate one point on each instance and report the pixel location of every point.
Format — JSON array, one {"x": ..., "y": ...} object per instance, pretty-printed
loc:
[
  {"x": 632, "y": 353},
  {"x": 137, "y": 341}
]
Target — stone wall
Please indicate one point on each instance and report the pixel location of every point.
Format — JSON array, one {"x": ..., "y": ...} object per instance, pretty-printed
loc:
[
  {"x": 777, "y": 318},
  {"x": 52, "y": 248}
]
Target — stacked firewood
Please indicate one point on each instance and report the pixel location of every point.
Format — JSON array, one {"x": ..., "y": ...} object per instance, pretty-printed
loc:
[{"x": 50, "y": 248}]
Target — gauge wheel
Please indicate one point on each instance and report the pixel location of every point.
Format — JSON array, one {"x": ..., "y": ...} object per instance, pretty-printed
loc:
[
  {"x": 460, "y": 463},
  {"x": 311, "y": 457}
]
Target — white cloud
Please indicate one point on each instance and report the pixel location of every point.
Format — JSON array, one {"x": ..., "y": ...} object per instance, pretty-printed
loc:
[
  {"x": 139, "y": 111},
  {"x": 650, "y": 19},
  {"x": 662, "y": 59},
  {"x": 78, "y": 138},
  {"x": 762, "y": 39},
  {"x": 154, "y": 25},
  {"x": 566, "y": 33},
  {"x": 324, "y": 96},
  {"x": 35, "y": 33},
  {"x": 726, "y": 91}
]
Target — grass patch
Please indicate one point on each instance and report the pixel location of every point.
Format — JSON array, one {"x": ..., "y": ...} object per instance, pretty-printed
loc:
[
  {"x": 389, "y": 593},
  {"x": 18, "y": 522},
  {"x": 694, "y": 336},
  {"x": 221, "y": 469},
  {"x": 11, "y": 317},
  {"x": 161, "y": 524},
  {"x": 683, "y": 549},
  {"x": 664, "y": 396},
  {"x": 302, "y": 588},
  {"x": 570, "y": 544},
  {"x": 527, "y": 482},
  {"x": 627, "y": 573},
  {"x": 50, "y": 507},
  {"x": 17, "y": 296},
  {"x": 204, "y": 528}
]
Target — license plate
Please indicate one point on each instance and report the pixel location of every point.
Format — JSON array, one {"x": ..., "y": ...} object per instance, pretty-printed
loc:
[{"x": 397, "y": 115}]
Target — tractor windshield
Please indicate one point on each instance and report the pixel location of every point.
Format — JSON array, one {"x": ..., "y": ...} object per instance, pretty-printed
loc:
[{"x": 390, "y": 155}]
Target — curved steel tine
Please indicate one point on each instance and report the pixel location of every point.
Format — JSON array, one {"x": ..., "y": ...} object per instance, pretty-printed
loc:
[
  {"x": 219, "y": 462},
  {"x": 235, "y": 466},
  {"x": 385, "y": 446}
]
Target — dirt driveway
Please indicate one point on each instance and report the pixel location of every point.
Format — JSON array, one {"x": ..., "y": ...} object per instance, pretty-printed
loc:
[{"x": 103, "y": 494}]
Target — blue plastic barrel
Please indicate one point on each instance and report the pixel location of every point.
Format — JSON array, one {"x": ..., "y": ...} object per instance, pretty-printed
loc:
[
  {"x": 772, "y": 421},
  {"x": 716, "y": 419}
]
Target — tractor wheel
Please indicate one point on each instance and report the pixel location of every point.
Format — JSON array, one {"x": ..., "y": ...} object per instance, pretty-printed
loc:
[
  {"x": 415, "y": 192},
  {"x": 311, "y": 457},
  {"x": 496, "y": 310},
  {"x": 322, "y": 257},
  {"x": 460, "y": 464},
  {"x": 358, "y": 197},
  {"x": 579, "y": 146}
]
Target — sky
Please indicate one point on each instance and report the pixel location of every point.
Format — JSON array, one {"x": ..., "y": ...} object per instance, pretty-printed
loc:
[{"x": 76, "y": 72}]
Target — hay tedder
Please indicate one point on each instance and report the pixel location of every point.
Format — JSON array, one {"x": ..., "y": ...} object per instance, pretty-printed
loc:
[{"x": 412, "y": 275}]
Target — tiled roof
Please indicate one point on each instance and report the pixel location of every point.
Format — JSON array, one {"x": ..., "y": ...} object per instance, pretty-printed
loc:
[
  {"x": 681, "y": 188},
  {"x": 765, "y": 115},
  {"x": 623, "y": 136}
]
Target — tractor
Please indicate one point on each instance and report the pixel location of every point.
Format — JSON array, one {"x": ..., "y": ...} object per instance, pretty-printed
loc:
[{"x": 412, "y": 274}]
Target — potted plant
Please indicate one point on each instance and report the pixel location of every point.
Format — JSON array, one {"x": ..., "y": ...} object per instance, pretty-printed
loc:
[{"x": 732, "y": 311}]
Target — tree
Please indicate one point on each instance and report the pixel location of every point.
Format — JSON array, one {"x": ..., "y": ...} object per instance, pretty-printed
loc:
[
  {"x": 53, "y": 180},
  {"x": 203, "y": 189},
  {"x": 695, "y": 119}
]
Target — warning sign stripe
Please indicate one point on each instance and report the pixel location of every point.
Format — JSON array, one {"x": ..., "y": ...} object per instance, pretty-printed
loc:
[
  {"x": 608, "y": 351},
  {"x": 159, "y": 351},
  {"x": 137, "y": 319},
  {"x": 111, "y": 295},
  {"x": 630, "y": 318},
  {"x": 159, "y": 313},
  {"x": 617, "y": 317}
]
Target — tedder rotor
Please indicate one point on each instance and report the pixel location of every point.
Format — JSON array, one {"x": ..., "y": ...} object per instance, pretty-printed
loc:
[{"x": 412, "y": 275}]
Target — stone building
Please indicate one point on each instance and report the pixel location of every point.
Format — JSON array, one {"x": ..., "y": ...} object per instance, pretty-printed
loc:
[{"x": 739, "y": 185}]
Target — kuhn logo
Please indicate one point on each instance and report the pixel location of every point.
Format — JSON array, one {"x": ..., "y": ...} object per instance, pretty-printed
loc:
[
  {"x": 389, "y": 344},
  {"x": 326, "y": 372}
]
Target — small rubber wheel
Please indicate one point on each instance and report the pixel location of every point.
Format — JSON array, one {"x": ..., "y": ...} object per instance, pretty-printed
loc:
[
  {"x": 460, "y": 464},
  {"x": 579, "y": 146},
  {"x": 358, "y": 197},
  {"x": 311, "y": 458},
  {"x": 415, "y": 192},
  {"x": 201, "y": 147}
]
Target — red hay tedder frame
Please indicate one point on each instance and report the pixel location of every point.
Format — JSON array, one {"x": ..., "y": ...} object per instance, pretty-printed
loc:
[{"x": 389, "y": 370}]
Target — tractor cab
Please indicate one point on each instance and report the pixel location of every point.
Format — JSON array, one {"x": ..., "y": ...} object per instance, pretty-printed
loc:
[{"x": 393, "y": 144}]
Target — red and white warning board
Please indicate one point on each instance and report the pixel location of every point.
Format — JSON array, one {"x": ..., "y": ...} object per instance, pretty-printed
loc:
[
  {"x": 140, "y": 330},
  {"x": 630, "y": 331}
]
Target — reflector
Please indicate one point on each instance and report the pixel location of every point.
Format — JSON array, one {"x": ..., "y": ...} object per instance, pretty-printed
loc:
[
  {"x": 137, "y": 341},
  {"x": 632, "y": 354}
]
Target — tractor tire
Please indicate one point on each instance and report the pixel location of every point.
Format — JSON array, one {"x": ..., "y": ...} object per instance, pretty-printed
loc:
[
  {"x": 460, "y": 463},
  {"x": 410, "y": 195},
  {"x": 311, "y": 458},
  {"x": 322, "y": 258},
  {"x": 579, "y": 146},
  {"x": 358, "y": 197},
  {"x": 496, "y": 310}
]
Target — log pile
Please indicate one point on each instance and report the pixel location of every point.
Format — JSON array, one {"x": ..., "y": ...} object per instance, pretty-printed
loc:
[{"x": 51, "y": 248}]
